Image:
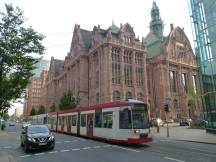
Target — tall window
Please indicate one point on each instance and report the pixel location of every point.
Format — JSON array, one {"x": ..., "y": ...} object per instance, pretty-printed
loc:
[
  {"x": 128, "y": 95},
  {"x": 172, "y": 81},
  {"x": 184, "y": 81},
  {"x": 128, "y": 67},
  {"x": 107, "y": 119},
  {"x": 194, "y": 83},
  {"x": 97, "y": 98},
  {"x": 98, "y": 118},
  {"x": 116, "y": 96},
  {"x": 97, "y": 79},
  {"x": 139, "y": 69},
  {"x": 83, "y": 120},
  {"x": 116, "y": 65}
]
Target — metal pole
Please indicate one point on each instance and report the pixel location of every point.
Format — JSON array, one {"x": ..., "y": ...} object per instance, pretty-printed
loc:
[{"x": 167, "y": 125}]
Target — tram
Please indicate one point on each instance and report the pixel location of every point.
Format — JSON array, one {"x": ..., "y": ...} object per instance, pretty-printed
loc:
[{"x": 117, "y": 122}]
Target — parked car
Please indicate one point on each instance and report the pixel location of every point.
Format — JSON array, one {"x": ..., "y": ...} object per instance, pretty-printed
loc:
[
  {"x": 11, "y": 123},
  {"x": 156, "y": 122},
  {"x": 199, "y": 122},
  {"x": 37, "y": 137},
  {"x": 185, "y": 121}
]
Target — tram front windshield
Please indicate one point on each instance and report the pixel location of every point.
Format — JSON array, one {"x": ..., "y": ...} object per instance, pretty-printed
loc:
[{"x": 140, "y": 117}]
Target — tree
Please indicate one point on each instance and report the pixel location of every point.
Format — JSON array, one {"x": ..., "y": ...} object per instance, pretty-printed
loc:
[
  {"x": 33, "y": 111},
  {"x": 53, "y": 108},
  {"x": 194, "y": 98},
  {"x": 41, "y": 110},
  {"x": 18, "y": 45},
  {"x": 67, "y": 101}
]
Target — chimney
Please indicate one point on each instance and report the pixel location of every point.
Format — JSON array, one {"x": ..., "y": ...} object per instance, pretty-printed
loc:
[{"x": 171, "y": 27}]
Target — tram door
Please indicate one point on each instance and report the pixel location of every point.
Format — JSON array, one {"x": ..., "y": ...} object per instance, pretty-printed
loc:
[{"x": 90, "y": 125}]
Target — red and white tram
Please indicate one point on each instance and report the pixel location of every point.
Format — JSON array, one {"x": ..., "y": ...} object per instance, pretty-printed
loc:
[{"x": 119, "y": 122}]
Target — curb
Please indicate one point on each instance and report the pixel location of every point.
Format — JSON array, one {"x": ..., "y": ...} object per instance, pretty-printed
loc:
[{"x": 203, "y": 142}]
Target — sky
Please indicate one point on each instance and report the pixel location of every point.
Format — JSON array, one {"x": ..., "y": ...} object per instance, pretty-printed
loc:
[{"x": 55, "y": 19}]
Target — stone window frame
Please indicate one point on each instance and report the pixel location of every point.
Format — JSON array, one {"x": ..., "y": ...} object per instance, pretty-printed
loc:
[
  {"x": 172, "y": 79},
  {"x": 128, "y": 95},
  {"x": 116, "y": 96},
  {"x": 116, "y": 66}
]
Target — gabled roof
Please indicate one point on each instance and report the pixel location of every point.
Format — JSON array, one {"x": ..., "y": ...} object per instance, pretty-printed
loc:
[
  {"x": 56, "y": 66},
  {"x": 86, "y": 37}
]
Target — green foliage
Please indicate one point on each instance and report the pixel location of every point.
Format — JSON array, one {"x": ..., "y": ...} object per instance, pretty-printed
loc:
[
  {"x": 18, "y": 44},
  {"x": 33, "y": 111},
  {"x": 67, "y": 101},
  {"x": 194, "y": 98},
  {"x": 53, "y": 108},
  {"x": 41, "y": 110},
  {"x": 4, "y": 114}
]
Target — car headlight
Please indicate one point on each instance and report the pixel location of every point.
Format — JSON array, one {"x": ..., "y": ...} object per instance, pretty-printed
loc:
[
  {"x": 51, "y": 137},
  {"x": 31, "y": 139}
]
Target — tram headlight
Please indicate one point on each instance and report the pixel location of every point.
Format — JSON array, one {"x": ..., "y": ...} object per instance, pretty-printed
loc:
[{"x": 136, "y": 131}]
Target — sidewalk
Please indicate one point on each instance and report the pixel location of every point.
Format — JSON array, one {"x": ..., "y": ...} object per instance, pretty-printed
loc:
[{"x": 185, "y": 134}]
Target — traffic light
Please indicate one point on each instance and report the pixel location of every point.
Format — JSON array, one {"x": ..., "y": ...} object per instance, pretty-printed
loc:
[{"x": 166, "y": 108}]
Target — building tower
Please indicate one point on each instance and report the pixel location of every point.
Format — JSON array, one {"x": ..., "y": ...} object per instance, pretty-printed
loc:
[{"x": 156, "y": 24}]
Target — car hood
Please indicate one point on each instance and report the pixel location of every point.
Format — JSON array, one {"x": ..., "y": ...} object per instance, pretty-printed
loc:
[{"x": 35, "y": 135}]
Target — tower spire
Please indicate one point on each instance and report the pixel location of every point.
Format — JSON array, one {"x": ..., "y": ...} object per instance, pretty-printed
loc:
[{"x": 156, "y": 24}]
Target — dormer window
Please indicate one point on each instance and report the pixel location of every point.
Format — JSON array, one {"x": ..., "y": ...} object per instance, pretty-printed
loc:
[{"x": 127, "y": 39}]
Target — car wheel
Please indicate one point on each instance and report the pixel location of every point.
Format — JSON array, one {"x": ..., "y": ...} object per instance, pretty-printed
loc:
[
  {"x": 21, "y": 144},
  {"x": 26, "y": 148}
]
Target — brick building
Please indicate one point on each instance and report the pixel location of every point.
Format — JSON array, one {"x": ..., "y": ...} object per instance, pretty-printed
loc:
[
  {"x": 172, "y": 70},
  {"x": 105, "y": 65},
  {"x": 101, "y": 66}
]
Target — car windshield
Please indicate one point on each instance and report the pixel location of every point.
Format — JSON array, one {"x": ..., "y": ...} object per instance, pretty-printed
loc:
[{"x": 37, "y": 129}]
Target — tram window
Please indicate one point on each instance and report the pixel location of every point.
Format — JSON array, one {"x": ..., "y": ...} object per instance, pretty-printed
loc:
[
  {"x": 107, "y": 119},
  {"x": 83, "y": 120},
  {"x": 74, "y": 120},
  {"x": 60, "y": 120},
  {"x": 98, "y": 118},
  {"x": 125, "y": 119}
]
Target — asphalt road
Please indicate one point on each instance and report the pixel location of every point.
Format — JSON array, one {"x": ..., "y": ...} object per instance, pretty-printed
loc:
[{"x": 70, "y": 148}]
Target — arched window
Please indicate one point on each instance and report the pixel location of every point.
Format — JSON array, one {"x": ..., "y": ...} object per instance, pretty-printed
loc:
[
  {"x": 140, "y": 96},
  {"x": 116, "y": 96},
  {"x": 128, "y": 95}
]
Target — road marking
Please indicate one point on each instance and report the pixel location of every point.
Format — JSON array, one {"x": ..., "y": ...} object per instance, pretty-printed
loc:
[
  {"x": 75, "y": 149},
  {"x": 24, "y": 156},
  {"x": 39, "y": 154},
  {"x": 96, "y": 147},
  {"x": 64, "y": 150},
  {"x": 174, "y": 159},
  {"x": 52, "y": 152},
  {"x": 67, "y": 141},
  {"x": 106, "y": 145},
  {"x": 124, "y": 148},
  {"x": 86, "y": 148},
  {"x": 6, "y": 147}
]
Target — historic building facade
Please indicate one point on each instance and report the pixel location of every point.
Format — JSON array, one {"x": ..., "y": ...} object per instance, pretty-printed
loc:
[
  {"x": 105, "y": 65},
  {"x": 172, "y": 71},
  {"x": 101, "y": 66}
]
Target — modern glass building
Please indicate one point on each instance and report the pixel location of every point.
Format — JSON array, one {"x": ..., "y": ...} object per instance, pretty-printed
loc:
[
  {"x": 203, "y": 17},
  {"x": 40, "y": 66}
]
